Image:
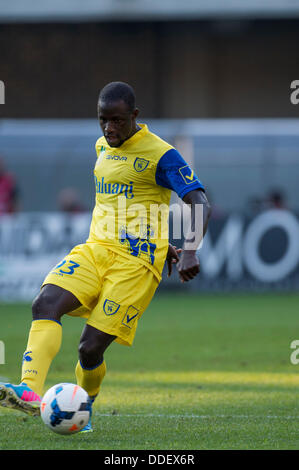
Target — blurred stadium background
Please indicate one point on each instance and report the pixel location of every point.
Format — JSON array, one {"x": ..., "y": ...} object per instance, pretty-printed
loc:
[{"x": 213, "y": 78}]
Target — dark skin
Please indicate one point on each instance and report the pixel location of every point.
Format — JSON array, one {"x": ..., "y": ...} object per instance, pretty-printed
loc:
[
  {"x": 188, "y": 265},
  {"x": 118, "y": 124}
]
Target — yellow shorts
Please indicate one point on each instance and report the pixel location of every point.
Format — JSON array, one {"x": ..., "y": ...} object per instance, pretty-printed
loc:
[{"x": 114, "y": 291}]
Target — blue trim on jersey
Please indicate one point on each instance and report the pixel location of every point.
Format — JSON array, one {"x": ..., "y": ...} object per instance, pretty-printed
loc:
[{"x": 174, "y": 173}]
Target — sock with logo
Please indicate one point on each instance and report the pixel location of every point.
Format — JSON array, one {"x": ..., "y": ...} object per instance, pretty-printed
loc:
[
  {"x": 44, "y": 342},
  {"x": 90, "y": 379}
]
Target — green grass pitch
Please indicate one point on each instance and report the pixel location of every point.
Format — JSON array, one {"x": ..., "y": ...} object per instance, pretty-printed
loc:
[{"x": 205, "y": 372}]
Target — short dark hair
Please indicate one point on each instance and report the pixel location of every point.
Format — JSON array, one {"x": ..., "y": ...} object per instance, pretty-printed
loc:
[{"x": 115, "y": 91}]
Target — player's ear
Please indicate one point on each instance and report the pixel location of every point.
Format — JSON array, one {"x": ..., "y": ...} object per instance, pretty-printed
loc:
[{"x": 135, "y": 113}]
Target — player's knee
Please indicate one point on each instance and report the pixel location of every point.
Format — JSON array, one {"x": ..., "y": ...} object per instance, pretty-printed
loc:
[
  {"x": 44, "y": 307},
  {"x": 90, "y": 353}
]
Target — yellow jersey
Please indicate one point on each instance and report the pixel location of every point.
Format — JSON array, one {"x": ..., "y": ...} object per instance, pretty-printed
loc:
[{"x": 133, "y": 184}]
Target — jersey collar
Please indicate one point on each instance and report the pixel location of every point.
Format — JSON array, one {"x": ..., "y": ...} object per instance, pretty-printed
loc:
[{"x": 135, "y": 137}]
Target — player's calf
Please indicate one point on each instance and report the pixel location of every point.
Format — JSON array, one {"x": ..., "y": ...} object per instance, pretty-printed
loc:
[{"x": 93, "y": 344}]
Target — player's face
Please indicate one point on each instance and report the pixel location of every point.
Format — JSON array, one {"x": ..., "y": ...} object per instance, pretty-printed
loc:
[{"x": 117, "y": 122}]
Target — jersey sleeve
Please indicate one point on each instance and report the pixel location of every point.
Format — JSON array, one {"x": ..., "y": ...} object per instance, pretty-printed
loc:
[{"x": 174, "y": 173}]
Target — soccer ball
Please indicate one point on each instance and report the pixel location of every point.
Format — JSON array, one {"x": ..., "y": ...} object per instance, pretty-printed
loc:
[{"x": 65, "y": 408}]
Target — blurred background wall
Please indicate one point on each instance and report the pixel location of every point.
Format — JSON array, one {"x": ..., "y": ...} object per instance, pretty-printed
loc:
[
  {"x": 179, "y": 69},
  {"x": 212, "y": 79}
]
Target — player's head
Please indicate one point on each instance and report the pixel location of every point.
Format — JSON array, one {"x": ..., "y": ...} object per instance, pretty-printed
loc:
[{"x": 117, "y": 112}]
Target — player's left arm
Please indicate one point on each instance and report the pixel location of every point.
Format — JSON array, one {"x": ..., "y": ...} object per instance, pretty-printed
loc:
[
  {"x": 174, "y": 173},
  {"x": 200, "y": 210}
]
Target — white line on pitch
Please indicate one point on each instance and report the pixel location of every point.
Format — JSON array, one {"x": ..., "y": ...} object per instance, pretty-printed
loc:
[{"x": 149, "y": 415}]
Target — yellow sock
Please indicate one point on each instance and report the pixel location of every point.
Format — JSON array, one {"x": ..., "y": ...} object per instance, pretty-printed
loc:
[
  {"x": 44, "y": 342},
  {"x": 90, "y": 379}
]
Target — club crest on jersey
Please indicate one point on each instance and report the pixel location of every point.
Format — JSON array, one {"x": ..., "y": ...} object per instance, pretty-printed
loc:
[
  {"x": 110, "y": 307},
  {"x": 140, "y": 164}
]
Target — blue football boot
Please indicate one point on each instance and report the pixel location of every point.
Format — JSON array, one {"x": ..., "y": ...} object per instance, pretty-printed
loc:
[{"x": 88, "y": 427}]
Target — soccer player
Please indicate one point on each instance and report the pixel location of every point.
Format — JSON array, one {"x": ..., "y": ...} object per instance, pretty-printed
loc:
[{"x": 112, "y": 278}]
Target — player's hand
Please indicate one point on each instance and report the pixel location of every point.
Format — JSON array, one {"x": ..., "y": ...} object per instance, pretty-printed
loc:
[
  {"x": 188, "y": 266},
  {"x": 172, "y": 257}
]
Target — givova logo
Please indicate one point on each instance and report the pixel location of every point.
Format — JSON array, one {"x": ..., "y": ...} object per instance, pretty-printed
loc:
[
  {"x": 2, "y": 92},
  {"x": 2, "y": 352}
]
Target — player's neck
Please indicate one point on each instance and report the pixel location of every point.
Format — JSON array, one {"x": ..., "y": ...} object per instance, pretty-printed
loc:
[{"x": 135, "y": 129}]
